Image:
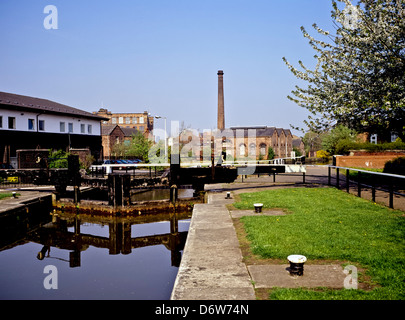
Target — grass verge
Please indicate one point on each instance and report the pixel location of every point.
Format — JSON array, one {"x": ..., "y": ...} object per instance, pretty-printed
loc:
[
  {"x": 6, "y": 195},
  {"x": 328, "y": 224}
]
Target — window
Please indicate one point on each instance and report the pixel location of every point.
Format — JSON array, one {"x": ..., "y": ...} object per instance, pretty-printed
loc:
[
  {"x": 89, "y": 129},
  {"x": 1, "y": 122},
  {"x": 134, "y": 120},
  {"x": 31, "y": 123},
  {"x": 128, "y": 120},
  {"x": 141, "y": 120},
  {"x": 82, "y": 128},
  {"x": 41, "y": 125},
  {"x": 262, "y": 149},
  {"x": 121, "y": 120},
  {"x": 141, "y": 128},
  {"x": 242, "y": 150},
  {"x": 11, "y": 122},
  {"x": 62, "y": 126},
  {"x": 113, "y": 120},
  {"x": 70, "y": 127}
]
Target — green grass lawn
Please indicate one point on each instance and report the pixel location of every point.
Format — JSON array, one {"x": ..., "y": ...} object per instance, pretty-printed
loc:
[
  {"x": 329, "y": 224},
  {"x": 6, "y": 195}
]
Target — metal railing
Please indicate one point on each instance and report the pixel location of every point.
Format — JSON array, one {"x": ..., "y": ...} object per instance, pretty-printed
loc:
[{"x": 386, "y": 182}]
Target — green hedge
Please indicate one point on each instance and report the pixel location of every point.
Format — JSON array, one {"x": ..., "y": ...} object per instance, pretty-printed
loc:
[{"x": 344, "y": 146}]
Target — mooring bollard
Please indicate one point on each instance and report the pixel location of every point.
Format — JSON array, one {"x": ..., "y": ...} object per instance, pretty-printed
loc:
[
  {"x": 258, "y": 207},
  {"x": 296, "y": 264},
  {"x": 228, "y": 195}
]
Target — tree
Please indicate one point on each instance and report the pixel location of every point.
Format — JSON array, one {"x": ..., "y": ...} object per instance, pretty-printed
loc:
[
  {"x": 312, "y": 141},
  {"x": 359, "y": 78},
  {"x": 57, "y": 159},
  {"x": 138, "y": 147},
  {"x": 270, "y": 153},
  {"x": 337, "y": 134}
]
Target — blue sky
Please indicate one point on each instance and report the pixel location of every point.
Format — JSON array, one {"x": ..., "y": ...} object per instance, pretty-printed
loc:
[{"x": 162, "y": 56}]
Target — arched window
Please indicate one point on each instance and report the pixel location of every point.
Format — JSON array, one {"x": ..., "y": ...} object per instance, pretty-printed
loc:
[
  {"x": 263, "y": 149},
  {"x": 242, "y": 149}
]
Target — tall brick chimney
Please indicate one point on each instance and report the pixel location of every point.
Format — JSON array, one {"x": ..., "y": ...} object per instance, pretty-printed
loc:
[{"x": 221, "y": 111}]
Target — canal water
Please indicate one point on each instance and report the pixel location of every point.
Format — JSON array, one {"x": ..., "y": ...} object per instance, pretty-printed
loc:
[{"x": 78, "y": 257}]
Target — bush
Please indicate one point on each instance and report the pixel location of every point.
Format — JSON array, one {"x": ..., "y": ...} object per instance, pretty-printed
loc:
[
  {"x": 270, "y": 154},
  {"x": 344, "y": 146},
  {"x": 396, "y": 166},
  {"x": 57, "y": 159},
  {"x": 322, "y": 154}
]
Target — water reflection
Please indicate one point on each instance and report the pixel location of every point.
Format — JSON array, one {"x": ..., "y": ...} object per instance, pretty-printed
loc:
[
  {"x": 96, "y": 247},
  {"x": 119, "y": 241}
]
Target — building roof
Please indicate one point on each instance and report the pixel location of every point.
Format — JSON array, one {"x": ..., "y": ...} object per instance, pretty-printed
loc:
[
  {"x": 26, "y": 103},
  {"x": 129, "y": 131},
  {"x": 107, "y": 129},
  {"x": 261, "y": 131}
]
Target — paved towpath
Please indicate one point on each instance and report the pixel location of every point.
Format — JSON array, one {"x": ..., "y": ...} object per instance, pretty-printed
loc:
[{"x": 211, "y": 267}]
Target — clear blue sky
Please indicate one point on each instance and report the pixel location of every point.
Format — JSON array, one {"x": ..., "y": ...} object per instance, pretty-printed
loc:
[{"x": 162, "y": 56}]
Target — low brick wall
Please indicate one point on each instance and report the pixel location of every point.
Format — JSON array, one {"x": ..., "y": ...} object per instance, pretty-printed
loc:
[{"x": 367, "y": 160}]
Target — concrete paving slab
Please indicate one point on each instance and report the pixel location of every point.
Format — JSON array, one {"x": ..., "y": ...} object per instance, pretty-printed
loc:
[
  {"x": 268, "y": 276},
  {"x": 218, "y": 294}
]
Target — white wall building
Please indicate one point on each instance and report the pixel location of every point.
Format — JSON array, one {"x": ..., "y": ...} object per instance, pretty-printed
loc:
[{"x": 33, "y": 123}]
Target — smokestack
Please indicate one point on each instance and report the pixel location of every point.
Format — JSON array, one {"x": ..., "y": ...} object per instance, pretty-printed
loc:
[{"x": 221, "y": 111}]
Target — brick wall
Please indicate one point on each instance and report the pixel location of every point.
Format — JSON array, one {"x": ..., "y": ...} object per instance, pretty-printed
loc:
[{"x": 375, "y": 161}]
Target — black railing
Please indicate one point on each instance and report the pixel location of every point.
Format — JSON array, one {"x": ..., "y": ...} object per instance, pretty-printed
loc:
[{"x": 393, "y": 184}]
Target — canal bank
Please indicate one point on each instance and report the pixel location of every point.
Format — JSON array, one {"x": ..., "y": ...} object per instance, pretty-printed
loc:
[
  {"x": 24, "y": 200},
  {"x": 22, "y": 213},
  {"x": 211, "y": 267}
]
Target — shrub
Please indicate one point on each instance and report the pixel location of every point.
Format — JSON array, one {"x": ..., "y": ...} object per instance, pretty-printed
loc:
[
  {"x": 396, "y": 166},
  {"x": 322, "y": 154},
  {"x": 270, "y": 154},
  {"x": 58, "y": 159},
  {"x": 344, "y": 146}
]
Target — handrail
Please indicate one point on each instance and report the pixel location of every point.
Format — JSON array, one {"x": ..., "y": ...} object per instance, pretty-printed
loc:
[{"x": 371, "y": 172}]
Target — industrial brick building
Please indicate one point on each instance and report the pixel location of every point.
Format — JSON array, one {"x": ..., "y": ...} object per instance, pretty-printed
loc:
[
  {"x": 279, "y": 139},
  {"x": 142, "y": 122}
]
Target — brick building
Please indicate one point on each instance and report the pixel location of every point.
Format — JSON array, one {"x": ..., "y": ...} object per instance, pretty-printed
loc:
[
  {"x": 112, "y": 135},
  {"x": 143, "y": 122},
  {"x": 280, "y": 140}
]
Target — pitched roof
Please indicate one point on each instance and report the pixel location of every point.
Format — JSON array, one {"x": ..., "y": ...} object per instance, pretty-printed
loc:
[
  {"x": 107, "y": 129},
  {"x": 129, "y": 131},
  {"x": 20, "y": 102},
  {"x": 261, "y": 131}
]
